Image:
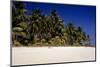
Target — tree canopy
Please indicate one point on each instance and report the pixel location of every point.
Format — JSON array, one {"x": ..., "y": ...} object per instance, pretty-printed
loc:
[{"x": 38, "y": 29}]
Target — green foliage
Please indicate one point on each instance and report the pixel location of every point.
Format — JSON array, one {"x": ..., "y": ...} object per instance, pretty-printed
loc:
[
  {"x": 40, "y": 30},
  {"x": 17, "y": 43},
  {"x": 17, "y": 29}
]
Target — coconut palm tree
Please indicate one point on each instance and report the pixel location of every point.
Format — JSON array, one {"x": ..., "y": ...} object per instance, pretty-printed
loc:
[
  {"x": 71, "y": 33},
  {"x": 19, "y": 22},
  {"x": 56, "y": 24},
  {"x": 88, "y": 40},
  {"x": 81, "y": 36}
]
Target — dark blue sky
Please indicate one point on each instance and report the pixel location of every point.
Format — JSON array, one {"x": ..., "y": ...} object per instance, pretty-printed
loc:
[{"x": 81, "y": 15}]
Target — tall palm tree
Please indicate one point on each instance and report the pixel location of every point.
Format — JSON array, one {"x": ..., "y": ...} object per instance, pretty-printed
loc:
[
  {"x": 88, "y": 40},
  {"x": 71, "y": 33},
  {"x": 81, "y": 36},
  {"x": 56, "y": 24},
  {"x": 19, "y": 21}
]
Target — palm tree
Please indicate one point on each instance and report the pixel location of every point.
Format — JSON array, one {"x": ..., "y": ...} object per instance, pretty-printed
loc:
[
  {"x": 56, "y": 24},
  {"x": 75, "y": 35},
  {"x": 88, "y": 40},
  {"x": 19, "y": 22},
  {"x": 18, "y": 13},
  {"x": 71, "y": 33},
  {"x": 81, "y": 36}
]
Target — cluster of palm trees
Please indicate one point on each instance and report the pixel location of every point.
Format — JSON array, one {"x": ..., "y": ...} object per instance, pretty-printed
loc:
[{"x": 37, "y": 29}]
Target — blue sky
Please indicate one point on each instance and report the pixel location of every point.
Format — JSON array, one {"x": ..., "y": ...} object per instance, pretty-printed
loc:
[{"x": 80, "y": 15}]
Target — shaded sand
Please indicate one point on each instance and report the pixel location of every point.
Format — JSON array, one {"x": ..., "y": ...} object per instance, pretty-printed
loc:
[{"x": 41, "y": 55}]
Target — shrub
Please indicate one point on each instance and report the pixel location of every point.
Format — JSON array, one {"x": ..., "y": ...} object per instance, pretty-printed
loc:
[
  {"x": 43, "y": 40},
  {"x": 16, "y": 43},
  {"x": 57, "y": 41}
]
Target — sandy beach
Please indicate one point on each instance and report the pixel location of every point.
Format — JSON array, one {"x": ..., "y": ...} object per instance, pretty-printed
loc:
[{"x": 41, "y": 55}]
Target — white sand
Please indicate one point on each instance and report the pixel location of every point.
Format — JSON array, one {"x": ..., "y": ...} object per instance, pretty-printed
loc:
[{"x": 41, "y": 55}]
